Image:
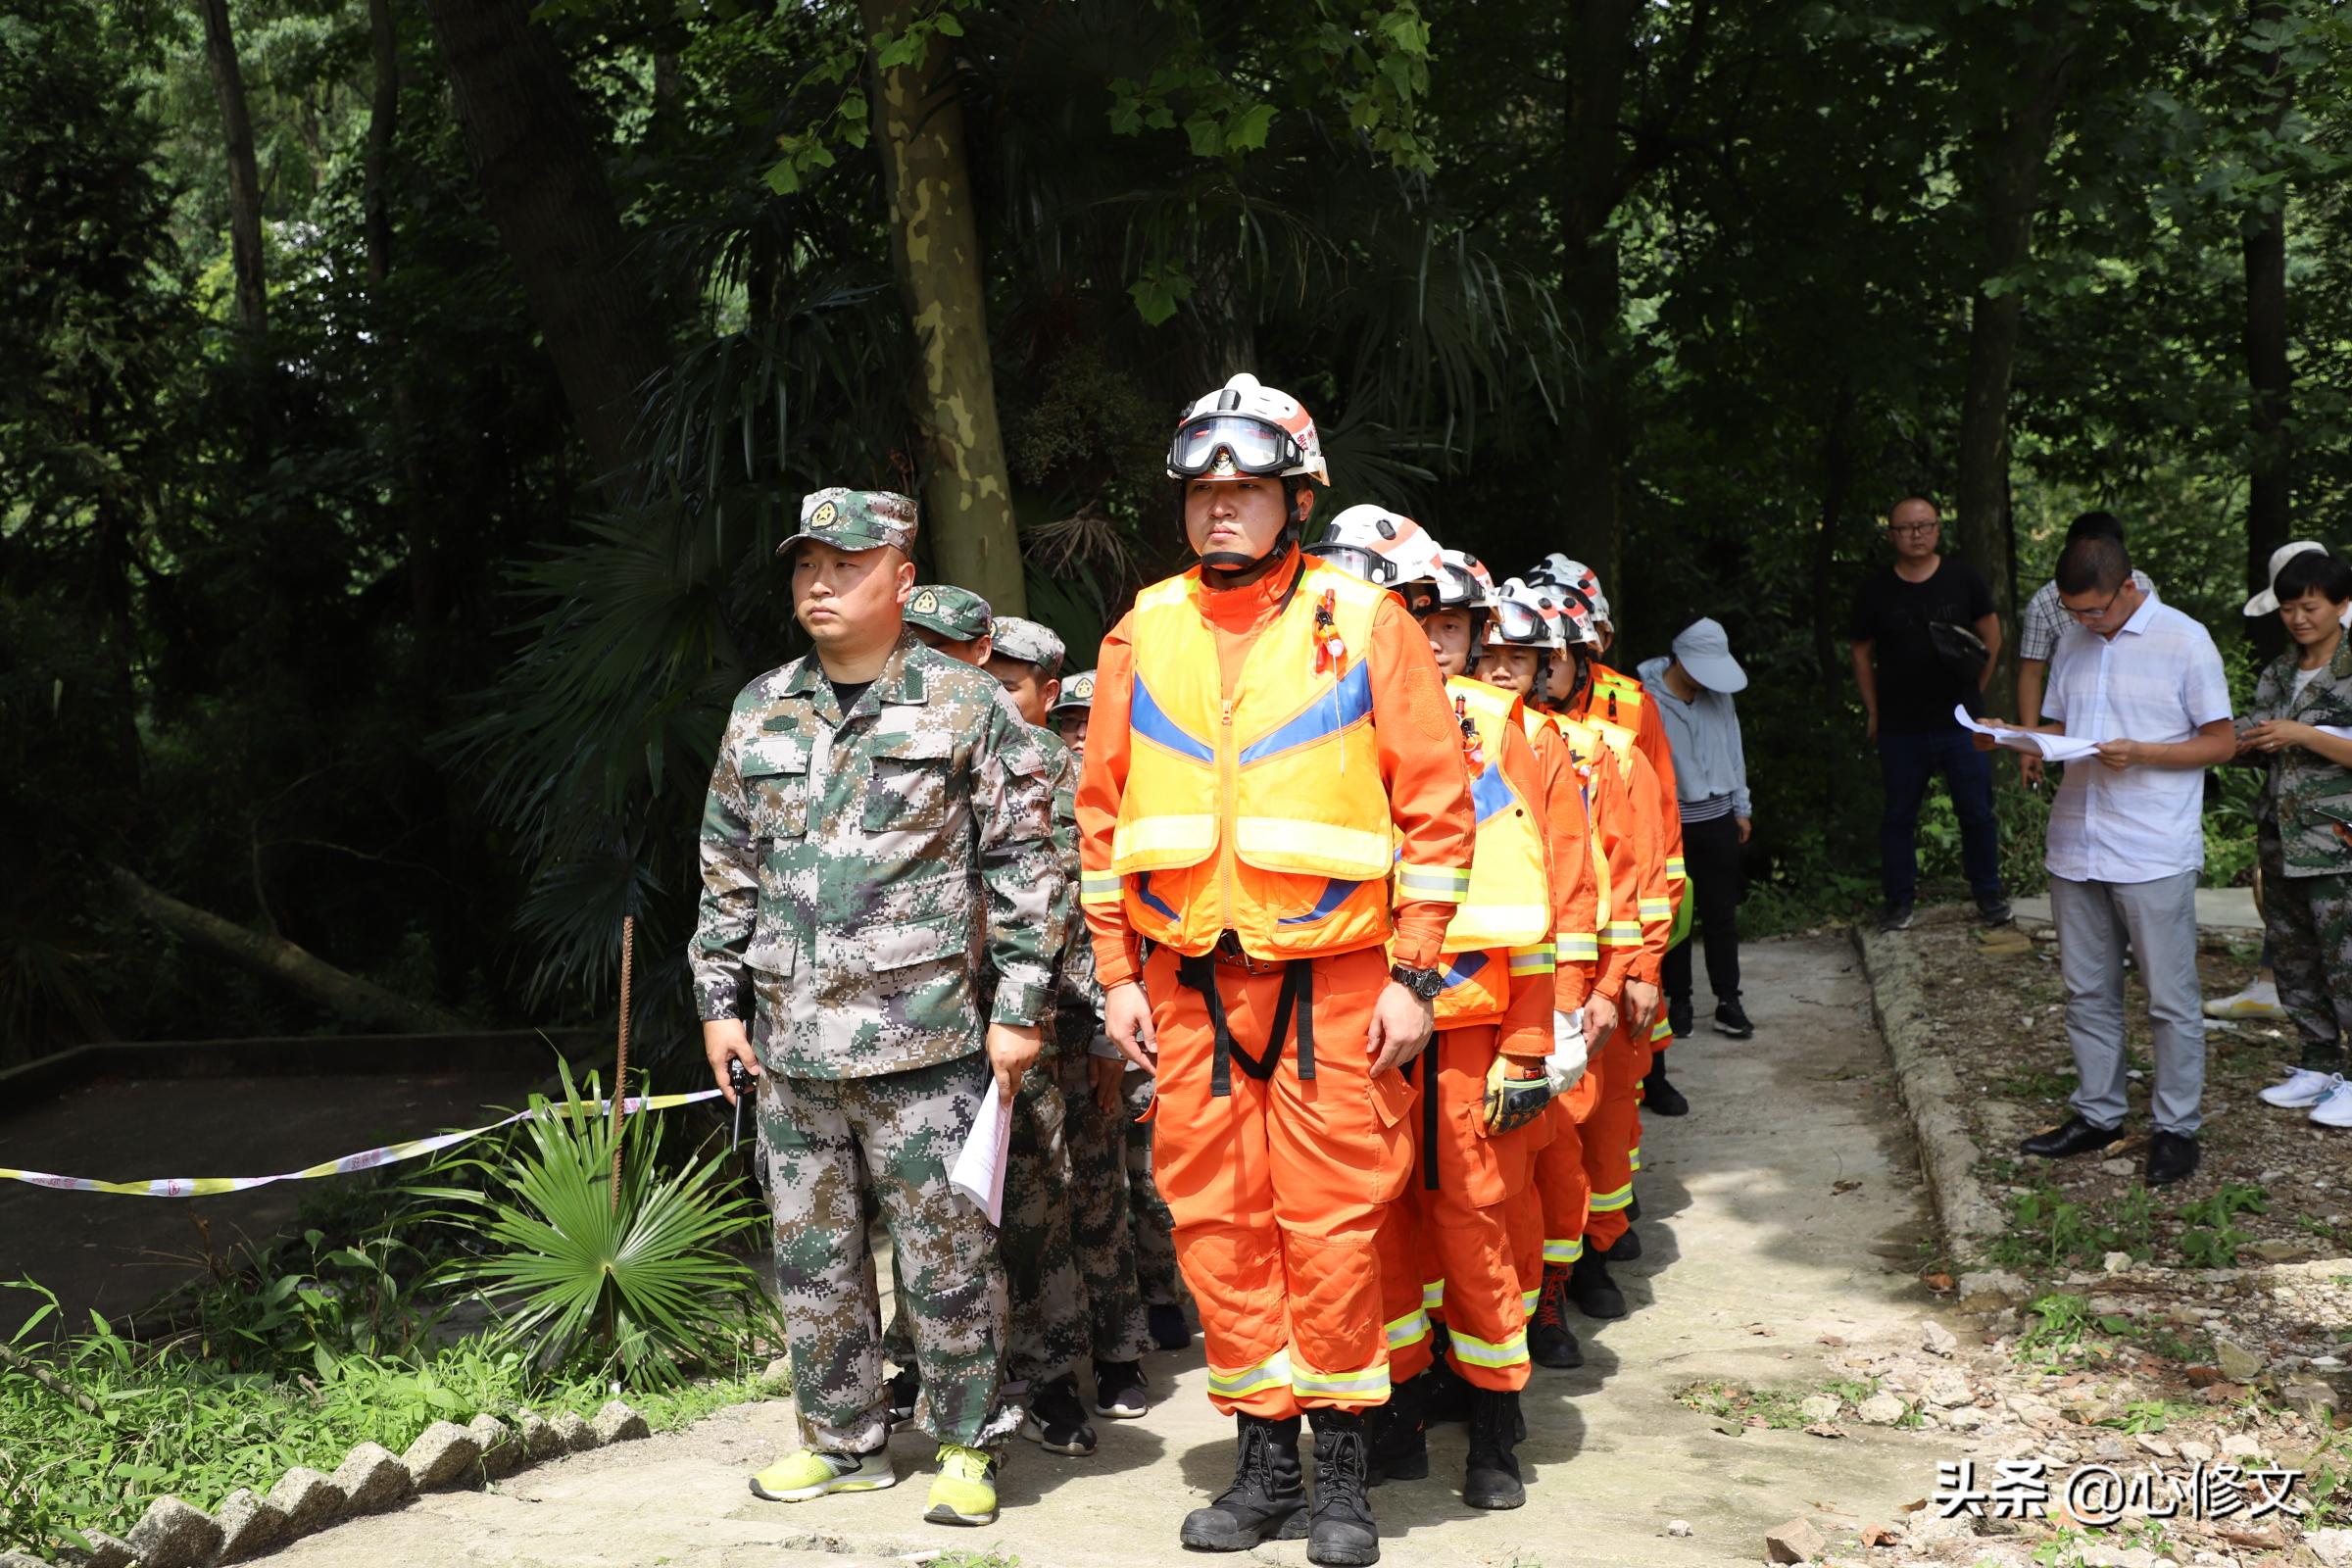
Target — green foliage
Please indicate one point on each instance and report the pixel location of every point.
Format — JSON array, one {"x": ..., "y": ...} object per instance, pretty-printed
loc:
[
  {"x": 2047, "y": 1231},
  {"x": 2210, "y": 1240},
  {"x": 645, "y": 1281}
]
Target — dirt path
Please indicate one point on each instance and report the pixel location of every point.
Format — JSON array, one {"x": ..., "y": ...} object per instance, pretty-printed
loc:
[{"x": 1784, "y": 1211}]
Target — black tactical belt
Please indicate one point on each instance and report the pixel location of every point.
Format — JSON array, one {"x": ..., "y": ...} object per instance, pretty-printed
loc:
[{"x": 1298, "y": 998}]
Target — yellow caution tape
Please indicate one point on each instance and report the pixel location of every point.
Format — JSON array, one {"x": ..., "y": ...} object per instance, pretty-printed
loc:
[{"x": 366, "y": 1159}]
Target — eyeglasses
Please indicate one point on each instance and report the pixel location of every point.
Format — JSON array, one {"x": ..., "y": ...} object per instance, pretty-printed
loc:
[
  {"x": 2095, "y": 615},
  {"x": 1913, "y": 527}
]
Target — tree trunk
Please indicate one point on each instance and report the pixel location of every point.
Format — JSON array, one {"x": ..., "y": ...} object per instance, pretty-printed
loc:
[
  {"x": 252, "y": 298},
  {"x": 935, "y": 241},
  {"x": 375, "y": 206},
  {"x": 383, "y": 123},
  {"x": 2270, "y": 388},
  {"x": 542, "y": 179},
  {"x": 2012, "y": 152},
  {"x": 1836, "y": 490},
  {"x": 274, "y": 958},
  {"x": 1599, "y": 56}
]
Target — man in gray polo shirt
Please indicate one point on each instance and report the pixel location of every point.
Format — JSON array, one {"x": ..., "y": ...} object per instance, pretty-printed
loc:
[{"x": 2126, "y": 845}]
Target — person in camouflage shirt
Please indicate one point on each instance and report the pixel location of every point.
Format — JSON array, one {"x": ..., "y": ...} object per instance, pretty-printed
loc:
[
  {"x": 1047, "y": 1330},
  {"x": 2303, "y": 730},
  {"x": 879, "y": 819}
]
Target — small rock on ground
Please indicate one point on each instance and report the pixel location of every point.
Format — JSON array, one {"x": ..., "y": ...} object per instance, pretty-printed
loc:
[
  {"x": 617, "y": 1423},
  {"x": 1937, "y": 1338},
  {"x": 502, "y": 1448},
  {"x": 1880, "y": 1409},
  {"x": 106, "y": 1551},
  {"x": 1677, "y": 1527},
  {"x": 1795, "y": 1542},
  {"x": 574, "y": 1431},
  {"x": 442, "y": 1454},
  {"x": 539, "y": 1440}
]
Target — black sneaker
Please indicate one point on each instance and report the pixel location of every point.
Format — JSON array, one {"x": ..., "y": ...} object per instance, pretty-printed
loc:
[
  {"x": 1119, "y": 1390},
  {"x": 1056, "y": 1420},
  {"x": 1590, "y": 1287},
  {"x": 903, "y": 1389},
  {"x": 1731, "y": 1018},
  {"x": 1993, "y": 909},
  {"x": 1896, "y": 918},
  {"x": 1678, "y": 1016},
  {"x": 1550, "y": 1342},
  {"x": 1169, "y": 1330}
]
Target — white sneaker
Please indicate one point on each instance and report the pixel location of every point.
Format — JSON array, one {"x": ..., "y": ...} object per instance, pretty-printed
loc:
[
  {"x": 2258, "y": 999},
  {"x": 2336, "y": 1110},
  {"x": 2302, "y": 1088}
]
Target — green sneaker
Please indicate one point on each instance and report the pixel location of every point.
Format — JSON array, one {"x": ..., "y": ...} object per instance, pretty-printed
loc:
[
  {"x": 965, "y": 1490},
  {"x": 812, "y": 1473}
]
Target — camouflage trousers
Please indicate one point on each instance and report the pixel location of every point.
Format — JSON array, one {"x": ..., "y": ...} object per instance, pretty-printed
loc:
[
  {"x": 830, "y": 1142},
  {"x": 1049, "y": 1332},
  {"x": 1099, "y": 1229},
  {"x": 2309, "y": 921},
  {"x": 1155, "y": 1271}
]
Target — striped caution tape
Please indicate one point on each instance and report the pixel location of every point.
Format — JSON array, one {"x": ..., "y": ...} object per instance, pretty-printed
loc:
[{"x": 368, "y": 1159}]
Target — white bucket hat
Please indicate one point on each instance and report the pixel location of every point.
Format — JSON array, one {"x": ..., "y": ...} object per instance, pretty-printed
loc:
[
  {"x": 2266, "y": 602},
  {"x": 1705, "y": 651}
]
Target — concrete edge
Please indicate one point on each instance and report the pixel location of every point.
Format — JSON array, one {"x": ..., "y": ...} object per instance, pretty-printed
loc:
[{"x": 1930, "y": 1092}]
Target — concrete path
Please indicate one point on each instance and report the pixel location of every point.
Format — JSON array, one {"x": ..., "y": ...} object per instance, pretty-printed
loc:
[
  {"x": 1754, "y": 1255},
  {"x": 2226, "y": 910}
]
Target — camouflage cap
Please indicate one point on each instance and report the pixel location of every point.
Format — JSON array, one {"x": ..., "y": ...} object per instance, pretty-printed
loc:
[
  {"x": 1030, "y": 643},
  {"x": 1076, "y": 691},
  {"x": 957, "y": 613},
  {"x": 855, "y": 519}
]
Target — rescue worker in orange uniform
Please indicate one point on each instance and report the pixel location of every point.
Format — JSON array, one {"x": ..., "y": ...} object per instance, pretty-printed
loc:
[
  {"x": 1641, "y": 922},
  {"x": 1620, "y": 699},
  {"x": 1523, "y": 639},
  {"x": 1446, "y": 1244},
  {"x": 1274, "y": 798}
]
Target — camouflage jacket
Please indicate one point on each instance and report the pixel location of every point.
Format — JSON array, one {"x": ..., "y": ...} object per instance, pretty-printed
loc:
[
  {"x": 858, "y": 871},
  {"x": 2307, "y": 796},
  {"x": 1078, "y": 1000}
]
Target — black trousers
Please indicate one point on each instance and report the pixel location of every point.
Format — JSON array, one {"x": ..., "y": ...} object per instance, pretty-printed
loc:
[{"x": 1711, "y": 855}]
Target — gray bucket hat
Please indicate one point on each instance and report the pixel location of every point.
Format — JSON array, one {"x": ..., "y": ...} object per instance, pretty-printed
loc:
[{"x": 1705, "y": 652}]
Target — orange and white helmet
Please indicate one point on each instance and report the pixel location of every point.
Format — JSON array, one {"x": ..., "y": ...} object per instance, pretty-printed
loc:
[
  {"x": 1380, "y": 546},
  {"x": 1245, "y": 430},
  {"x": 1522, "y": 617},
  {"x": 1463, "y": 581},
  {"x": 1558, "y": 570}
]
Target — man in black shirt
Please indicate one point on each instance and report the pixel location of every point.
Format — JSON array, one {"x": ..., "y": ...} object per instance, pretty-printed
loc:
[{"x": 1909, "y": 689}]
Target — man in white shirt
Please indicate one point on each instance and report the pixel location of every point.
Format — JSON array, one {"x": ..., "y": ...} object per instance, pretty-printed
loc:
[{"x": 2126, "y": 845}]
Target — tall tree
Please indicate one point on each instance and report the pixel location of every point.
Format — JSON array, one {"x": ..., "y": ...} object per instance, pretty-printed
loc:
[
  {"x": 252, "y": 302},
  {"x": 1599, "y": 56},
  {"x": 2026, "y": 55},
  {"x": 542, "y": 178},
  {"x": 935, "y": 243},
  {"x": 2270, "y": 390}
]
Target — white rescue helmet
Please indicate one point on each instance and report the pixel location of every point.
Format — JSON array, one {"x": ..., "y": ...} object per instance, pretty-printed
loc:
[
  {"x": 1463, "y": 581},
  {"x": 1522, "y": 617},
  {"x": 1245, "y": 430},
  {"x": 1383, "y": 547},
  {"x": 1558, "y": 570}
]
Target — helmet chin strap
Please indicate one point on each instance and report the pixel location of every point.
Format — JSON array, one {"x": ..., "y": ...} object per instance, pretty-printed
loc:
[{"x": 1230, "y": 569}]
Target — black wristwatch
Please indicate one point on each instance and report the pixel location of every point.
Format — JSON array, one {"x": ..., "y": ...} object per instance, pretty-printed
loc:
[{"x": 1422, "y": 983}]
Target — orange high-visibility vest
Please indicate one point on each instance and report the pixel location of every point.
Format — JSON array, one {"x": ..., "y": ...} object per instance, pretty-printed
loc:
[
  {"x": 1503, "y": 931},
  {"x": 1263, "y": 813}
]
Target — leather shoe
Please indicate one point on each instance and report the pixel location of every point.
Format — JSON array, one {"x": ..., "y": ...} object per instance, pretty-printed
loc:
[
  {"x": 2171, "y": 1157},
  {"x": 2077, "y": 1137}
]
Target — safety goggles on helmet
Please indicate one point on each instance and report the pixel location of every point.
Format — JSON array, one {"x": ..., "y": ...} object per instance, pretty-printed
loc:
[
  {"x": 1230, "y": 445},
  {"x": 1356, "y": 561},
  {"x": 1461, "y": 583},
  {"x": 1517, "y": 621}
]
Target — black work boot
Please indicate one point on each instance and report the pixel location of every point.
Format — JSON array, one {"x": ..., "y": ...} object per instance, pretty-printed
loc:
[
  {"x": 1589, "y": 1285},
  {"x": 1626, "y": 1249},
  {"x": 1657, "y": 1095},
  {"x": 1550, "y": 1341},
  {"x": 1268, "y": 1490},
  {"x": 1446, "y": 1397},
  {"x": 1340, "y": 1529},
  {"x": 1399, "y": 1441},
  {"x": 1492, "y": 1478}
]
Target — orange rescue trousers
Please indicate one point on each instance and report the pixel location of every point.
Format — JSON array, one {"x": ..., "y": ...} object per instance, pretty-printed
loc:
[
  {"x": 1277, "y": 1186},
  {"x": 1453, "y": 1252},
  {"x": 1563, "y": 1190},
  {"x": 1613, "y": 1134}
]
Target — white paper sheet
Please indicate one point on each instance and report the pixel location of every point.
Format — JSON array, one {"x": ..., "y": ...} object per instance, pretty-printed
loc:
[
  {"x": 979, "y": 1171},
  {"x": 2053, "y": 748}
]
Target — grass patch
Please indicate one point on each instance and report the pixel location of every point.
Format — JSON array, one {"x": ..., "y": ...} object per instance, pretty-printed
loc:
[
  {"x": 1779, "y": 1409},
  {"x": 2048, "y": 1232}
]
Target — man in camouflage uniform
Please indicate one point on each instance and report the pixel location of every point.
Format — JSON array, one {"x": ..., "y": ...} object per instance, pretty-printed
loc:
[
  {"x": 1123, "y": 1094},
  {"x": 1048, "y": 1326},
  {"x": 1027, "y": 658},
  {"x": 862, "y": 793}
]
